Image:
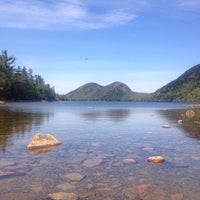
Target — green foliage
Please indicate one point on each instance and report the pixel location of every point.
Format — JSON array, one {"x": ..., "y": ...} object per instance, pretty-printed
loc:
[
  {"x": 18, "y": 83},
  {"x": 184, "y": 88},
  {"x": 114, "y": 92}
]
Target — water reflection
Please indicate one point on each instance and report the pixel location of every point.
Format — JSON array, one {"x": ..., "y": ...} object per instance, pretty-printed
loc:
[
  {"x": 190, "y": 125},
  {"x": 101, "y": 159},
  {"x": 43, "y": 150},
  {"x": 116, "y": 115},
  {"x": 15, "y": 123}
]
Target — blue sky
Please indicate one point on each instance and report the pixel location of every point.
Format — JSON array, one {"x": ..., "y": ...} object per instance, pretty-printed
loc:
[{"x": 142, "y": 43}]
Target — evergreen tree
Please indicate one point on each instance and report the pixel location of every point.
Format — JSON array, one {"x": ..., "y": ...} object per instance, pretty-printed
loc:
[{"x": 20, "y": 84}]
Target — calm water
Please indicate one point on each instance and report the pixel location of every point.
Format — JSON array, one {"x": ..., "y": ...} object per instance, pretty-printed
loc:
[{"x": 104, "y": 151}]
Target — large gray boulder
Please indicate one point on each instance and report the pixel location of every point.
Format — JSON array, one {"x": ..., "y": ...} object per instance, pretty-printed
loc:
[{"x": 41, "y": 140}]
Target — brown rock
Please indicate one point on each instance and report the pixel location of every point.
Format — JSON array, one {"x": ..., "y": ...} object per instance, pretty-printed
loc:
[
  {"x": 149, "y": 149},
  {"x": 41, "y": 140},
  {"x": 180, "y": 121},
  {"x": 66, "y": 186},
  {"x": 6, "y": 173},
  {"x": 190, "y": 113},
  {"x": 74, "y": 176},
  {"x": 88, "y": 195},
  {"x": 117, "y": 164},
  {"x": 63, "y": 196},
  {"x": 144, "y": 192},
  {"x": 95, "y": 145},
  {"x": 92, "y": 162},
  {"x": 177, "y": 197},
  {"x": 129, "y": 161},
  {"x": 166, "y": 126},
  {"x": 2, "y": 102},
  {"x": 156, "y": 159},
  {"x": 90, "y": 186},
  {"x": 36, "y": 188}
]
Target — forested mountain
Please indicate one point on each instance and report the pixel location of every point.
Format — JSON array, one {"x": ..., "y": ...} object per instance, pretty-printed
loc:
[
  {"x": 116, "y": 91},
  {"x": 19, "y": 83},
  {"x": 85, "y": 92},
  {"x": 185, "y": 88}
]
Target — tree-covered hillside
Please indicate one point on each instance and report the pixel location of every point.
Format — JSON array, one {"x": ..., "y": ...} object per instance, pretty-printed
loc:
[
  {"x": 185, "y": 88},
  {"x": 19, "y": 83},
  {"x": 116, "y": 91}
]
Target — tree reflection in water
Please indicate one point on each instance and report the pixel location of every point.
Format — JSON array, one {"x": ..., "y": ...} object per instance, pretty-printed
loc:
[
  {"x": 15, "y": 123},
  {"x": 190, "y": 125}
]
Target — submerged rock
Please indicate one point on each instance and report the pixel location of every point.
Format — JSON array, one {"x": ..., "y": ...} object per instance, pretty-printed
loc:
[
  {"x": 144, "y": 192},
  {"x": 63, "y": 196},
  {"x": 190, "y": 113},
  {"x": 6, "y": 173},
  {"x": 93, "y": 162},
  {"x": 2, "y": 102},
  {"x": 177, "y": 197},
  {"x": 166, "y": 126},
  {"x": 156, "y": 159},
  {"x": 74, "y": 176},
  {"x": 180, "y": 121},
  {"x": 66, "y": 186},
  {"x": 41, "y": 140},
  {"x": 129, "y": 160}
]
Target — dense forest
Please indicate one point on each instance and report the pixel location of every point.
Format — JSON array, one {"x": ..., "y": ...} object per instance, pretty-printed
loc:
[
  {"x": 185, "y": 88},
  {"x": 19, "y": 83}
]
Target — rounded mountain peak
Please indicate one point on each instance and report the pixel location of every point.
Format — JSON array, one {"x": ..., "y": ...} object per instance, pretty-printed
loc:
[{"x": 119, "y": 85}]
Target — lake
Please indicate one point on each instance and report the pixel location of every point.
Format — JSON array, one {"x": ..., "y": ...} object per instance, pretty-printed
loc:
[{"x": 104, "y": 151}]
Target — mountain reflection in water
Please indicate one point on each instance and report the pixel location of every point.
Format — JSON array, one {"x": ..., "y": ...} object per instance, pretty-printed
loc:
[{"x": 112, "y": 114}]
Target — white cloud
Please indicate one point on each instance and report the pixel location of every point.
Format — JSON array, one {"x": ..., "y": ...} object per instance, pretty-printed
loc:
[
  {"x": 82, "y": 14},
  {"x": 64, "y": 14},
  {"x": 189, "y": 4}
]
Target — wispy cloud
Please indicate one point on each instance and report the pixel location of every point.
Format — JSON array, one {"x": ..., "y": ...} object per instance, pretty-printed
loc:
[
  {"x": 189, "y": 4},
  {"x": 65, "y": 14},
  {"x": 82, "y": 14}
]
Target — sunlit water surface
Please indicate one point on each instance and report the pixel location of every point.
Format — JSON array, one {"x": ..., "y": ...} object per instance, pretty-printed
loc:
[{"x": 104, "y": 151}]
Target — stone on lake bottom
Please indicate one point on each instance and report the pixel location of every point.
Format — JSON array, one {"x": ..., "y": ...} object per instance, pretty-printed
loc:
[
  {"x": 63, "y": 196},
  {"x": 166, "y": 126},
  {"x": 95, "y": 145},
  {"x": 190, "y": 113},
  {"x": 88, "y": 195},
  {"x": 129, "y": 161},
  {"x": 180, "y": 121},
  {"x": 177, "y": 197},
  {"x": 6, "y": 173},
  {"x": 118, "y": 164},
  {"x": 144, "y": 192},
  {"x": 2, "y": 102},
  {"x": 156, "y": 159},
  {"x": 74, "y": 176},
  {"x": 66, "y": 186},
  {"x": 148, "y": 149},
  {"x": 93, "y": 162},
  {"x": 41, "y": 140}
]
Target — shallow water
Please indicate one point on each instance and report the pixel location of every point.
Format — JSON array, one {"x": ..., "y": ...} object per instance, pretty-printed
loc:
[{"x": 104, "y": 151}]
